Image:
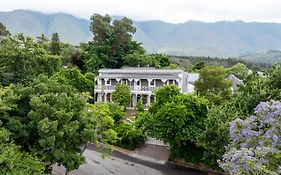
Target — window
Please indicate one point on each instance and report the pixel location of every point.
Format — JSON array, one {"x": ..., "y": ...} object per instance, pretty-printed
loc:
[
  {"x": 138, "y": 83},
  {"x": 124, "y": 81},
  {"x": 171, "y": 82},
  {"x": 152, "y": 83},
  {"x": 107, "y": 82}
]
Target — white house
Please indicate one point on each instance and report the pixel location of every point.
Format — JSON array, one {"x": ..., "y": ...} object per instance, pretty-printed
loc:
[{"x": 142, "y": 81}]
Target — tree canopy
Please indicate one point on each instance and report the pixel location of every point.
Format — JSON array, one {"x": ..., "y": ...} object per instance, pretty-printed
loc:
[
  {"x": 112, "y": 40},
  {"x": 55, "y": 44},
  {"x": 175, "y": 118},
  {"x": 122, "y": 95},
  {"x": 22, "y": 59},
  {"x": 239, "y": 70},
  {"x": 212, "y": 83}
]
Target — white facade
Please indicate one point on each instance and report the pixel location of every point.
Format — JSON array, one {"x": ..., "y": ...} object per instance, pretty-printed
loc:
[{"x": 142, "y": 82}]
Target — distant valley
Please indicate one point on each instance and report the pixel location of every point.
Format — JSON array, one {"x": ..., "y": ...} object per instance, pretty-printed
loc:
[{"x": 221, "y": 39}]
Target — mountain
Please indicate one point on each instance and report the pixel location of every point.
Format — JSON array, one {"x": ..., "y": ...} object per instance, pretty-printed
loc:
[
  {"x": 70, "y": 28},
  {"x": 222, "y": 39},
  {"x": 269, "y": 57}
]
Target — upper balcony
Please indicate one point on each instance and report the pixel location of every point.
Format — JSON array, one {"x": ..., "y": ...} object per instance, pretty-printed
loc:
[{"x": 104, "y": 88}]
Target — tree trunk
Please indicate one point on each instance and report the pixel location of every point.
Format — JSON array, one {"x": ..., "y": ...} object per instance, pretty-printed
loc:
[{"x": 84, "y": 148}]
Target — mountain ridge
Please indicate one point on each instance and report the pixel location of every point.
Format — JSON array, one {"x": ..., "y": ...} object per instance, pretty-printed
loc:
[{"x": 221, "y": 38}]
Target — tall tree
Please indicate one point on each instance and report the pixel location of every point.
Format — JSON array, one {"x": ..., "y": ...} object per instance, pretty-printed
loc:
[
  {"x": 177, "y": 119},
  {"x": 3, "y": 30},
  {"x": 55, "y": 44},
  {"x": 42, "y": 38},
  {"x": 212, "y": 83},
  {"x": 239, "y": 70},
  {"x": 112, "y": 41},
  {"x": 51, "y": 118}
]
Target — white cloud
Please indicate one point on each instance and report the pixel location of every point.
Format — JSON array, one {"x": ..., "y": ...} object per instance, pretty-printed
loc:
[{"x": 166, "y": 10}]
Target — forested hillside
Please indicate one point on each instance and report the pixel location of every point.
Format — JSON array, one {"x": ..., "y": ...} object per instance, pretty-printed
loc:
[{"x": 193, "y": 38}]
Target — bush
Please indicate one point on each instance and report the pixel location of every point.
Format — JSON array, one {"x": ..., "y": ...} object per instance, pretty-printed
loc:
[
  {"x": 122, "y": 95},
  {"x": 140, "y": 106},
  {"x": 130, "y": 137},
  {"x": 116, "y": 112}
]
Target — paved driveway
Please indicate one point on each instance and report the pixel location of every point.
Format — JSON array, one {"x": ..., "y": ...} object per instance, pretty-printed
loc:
[{"x": 121, "y": 164}]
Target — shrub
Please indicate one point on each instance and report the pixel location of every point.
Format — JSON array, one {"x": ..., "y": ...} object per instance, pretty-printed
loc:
[
  {"x": 140, "y": 106},
  {"x": 116, "y": 111},
  {"x": 122, "y": 95},
  {"x": 130, "y": 137}
]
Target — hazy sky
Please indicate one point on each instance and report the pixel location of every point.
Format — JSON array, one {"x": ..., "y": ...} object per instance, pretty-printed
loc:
[{"x": 174, "y": 11}]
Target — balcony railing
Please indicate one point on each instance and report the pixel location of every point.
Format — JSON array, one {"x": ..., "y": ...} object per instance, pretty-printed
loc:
[{"x": 132, "y": 88}]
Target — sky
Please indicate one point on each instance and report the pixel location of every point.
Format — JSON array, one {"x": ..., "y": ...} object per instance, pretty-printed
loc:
[{"x": 174, "y": 11}]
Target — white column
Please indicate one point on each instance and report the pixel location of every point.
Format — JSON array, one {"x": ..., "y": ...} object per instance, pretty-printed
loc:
[
  {"x": 99, "y": 97},
  {"x": 134, "y": 100},
  {"x": 148, "y": 99},
  {"x": 164, "y": 81},
  {"x": 130, "y": 83},
  {"x": 110, "y": 97},
  {"x": 149, "y": 81}
]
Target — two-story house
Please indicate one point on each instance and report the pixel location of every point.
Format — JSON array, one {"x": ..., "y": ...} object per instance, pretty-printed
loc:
[{"x": 142, "y": 81}]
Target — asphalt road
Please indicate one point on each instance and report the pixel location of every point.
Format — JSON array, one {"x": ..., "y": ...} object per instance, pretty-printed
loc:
[{"x": 121, "y": 164}]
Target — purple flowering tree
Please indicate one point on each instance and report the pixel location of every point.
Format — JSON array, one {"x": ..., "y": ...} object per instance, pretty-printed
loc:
[{"x": 255, "y": 146}]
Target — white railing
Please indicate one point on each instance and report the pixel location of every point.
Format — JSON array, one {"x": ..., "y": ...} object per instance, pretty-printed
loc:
[{"x": 132, "y": 88}]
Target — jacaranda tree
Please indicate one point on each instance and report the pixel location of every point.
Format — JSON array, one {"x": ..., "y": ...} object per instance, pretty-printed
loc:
[{"x": 255, "y": 146}]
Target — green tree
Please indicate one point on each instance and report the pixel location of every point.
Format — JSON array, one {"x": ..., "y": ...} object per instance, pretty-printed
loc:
[
  {"x": 199, "y": 65},
  {"x": 129, "y": 136},
  {"x": 55, "y": 44},
  {"x": 51, "y": 118},
  {"x": 239, "y": 70},
  {"x": 112, "y": 41},
  {"x": 179, "y": 120},
  {"x": 74, "y": 77},
  {"x": 90, "y": 61},
  {"x": 212, "y": 84},
  {"x": 42, "y": 38},
  {"x": 164, "y": 95},
  {"x": 143, "y": 60},
  {"x": 216, "y": 135},
  {"x": 140, "y": 106},
  {"x": 21, "y": 59},
  {"x": 101, "y": 115},
  {"x": 116, "y": 112},
  {"x": 122, "y": 95},
  {"x": 162, "y": 59},
  {"x": 256, "y": 89},
  {"x": 3, "y": 31},
  {"x": 14, "y": 161}
]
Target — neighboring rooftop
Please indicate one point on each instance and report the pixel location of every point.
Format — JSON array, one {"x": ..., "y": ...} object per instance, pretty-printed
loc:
[{"x": 192, "y": 77}]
